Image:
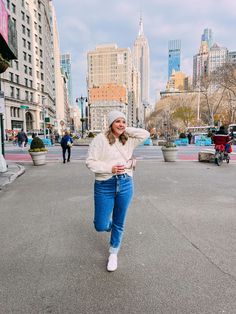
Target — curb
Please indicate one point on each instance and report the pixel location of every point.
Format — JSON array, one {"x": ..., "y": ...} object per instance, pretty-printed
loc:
[{"x": 14, "y": 171}]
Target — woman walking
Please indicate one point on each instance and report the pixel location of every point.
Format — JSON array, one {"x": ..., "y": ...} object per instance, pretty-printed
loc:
[
  {"x": 66, "y": 144},
  {"x": 110, "y": 158}
]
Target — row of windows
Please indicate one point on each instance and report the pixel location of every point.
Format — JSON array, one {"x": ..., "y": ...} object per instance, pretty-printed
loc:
[
  {"x": 15, "y": 112},
  {"x": 16, "y": 93}
]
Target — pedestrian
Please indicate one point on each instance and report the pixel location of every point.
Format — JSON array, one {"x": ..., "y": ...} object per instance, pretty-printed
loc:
[
  {"x": 189, "y": 137},
  {"x": 110, "y": 158},
  {"x": 33, "y": 135},
  {"x": 22, "y": 138},
  {"x": 66, "y": 144}
]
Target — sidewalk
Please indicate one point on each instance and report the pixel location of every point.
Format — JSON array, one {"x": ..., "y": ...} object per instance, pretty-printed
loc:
[
  {"x": 177, "y": 256},
  {"x": 13, "y": 171}
]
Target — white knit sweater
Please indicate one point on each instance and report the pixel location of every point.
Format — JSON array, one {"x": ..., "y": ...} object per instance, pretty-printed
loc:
[{"x": 102, "y": 156}]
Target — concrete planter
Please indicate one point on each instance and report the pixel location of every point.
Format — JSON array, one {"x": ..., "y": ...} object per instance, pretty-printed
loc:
[
  {"x": 169, "y": 153},
  {"x": 39, "y": 158}
]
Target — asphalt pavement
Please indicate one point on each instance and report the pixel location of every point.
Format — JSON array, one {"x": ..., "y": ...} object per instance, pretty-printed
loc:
[{"x": 178, "y": 253}]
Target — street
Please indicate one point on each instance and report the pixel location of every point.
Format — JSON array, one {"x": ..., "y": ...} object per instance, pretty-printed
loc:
[
  {"x": 17, "y": 154},
  {"x": 178, "y": 253}
]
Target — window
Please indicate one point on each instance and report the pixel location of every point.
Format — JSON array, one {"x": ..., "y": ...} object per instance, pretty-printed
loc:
[
  {"x": 37, "y": 73},
  {"x": 35, "y": 25},
  {"x": 17, "y": 65},
  {"x": 29, "y": 45},
  {"x": 23, "y": 15},
  {"x": 42, "y": 88},
  {"x": 42, "y": 76},
  {"x": 36, "y": 38},
  {"x": 17, "y": 78},
  {"x": 24, "y": 55},
  {"x": 11, "y": 76},
  {"x": 26, "y": 82},
  {"x": 41, "y": 64},
  {"x": 14, "y": 22},
  {"x": 17, "y": 93},
  {"x": 41, "y": 53},
  {"x": 8, "y": 4},
  {"x": 24, "y": 42},
  {"x": 40, "y": 41},
  {"x": 26, "y": 95},
  {"x": 25, "y": 69},
  {"x": 39, "y": 17},
  {"x": 27, "y": 19},
  {"x": 23, "y": 3},
  {"x": 23, "y": 29},
  {"x": 29, "y": 58},
  {"x": 30, "y": 71},
  {"x": 31, "y": 83},
  {"x": 40, "y": 29},
  {"x": 31, "y": 97},
  {"x": 13, "y": 8},
  {"x": 28, "y": 32},
  {"x": 11, "y": 91}
]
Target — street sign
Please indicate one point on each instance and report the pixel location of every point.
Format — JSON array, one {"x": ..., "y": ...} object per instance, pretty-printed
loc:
[{"x": 24, "y": 107}]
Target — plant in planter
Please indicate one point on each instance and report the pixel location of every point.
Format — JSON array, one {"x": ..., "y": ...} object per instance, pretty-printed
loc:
[
  {"x": 38, "y": 151},
  {"x": 169, "y": 150}
]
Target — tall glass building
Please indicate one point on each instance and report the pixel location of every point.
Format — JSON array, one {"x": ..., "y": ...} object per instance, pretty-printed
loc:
[
  {"x": 66, "y": 66},
  {"x": 174, "y": 54},
  {"x": 208, "y": 37}
]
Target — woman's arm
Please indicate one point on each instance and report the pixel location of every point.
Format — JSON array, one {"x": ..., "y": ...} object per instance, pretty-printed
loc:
[
  {"x": 139, "y": 135},
  {"x": 94, "y": 160}
]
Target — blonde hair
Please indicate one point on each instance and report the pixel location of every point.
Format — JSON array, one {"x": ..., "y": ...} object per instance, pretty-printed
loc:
[{"x": 111, "y": 138}]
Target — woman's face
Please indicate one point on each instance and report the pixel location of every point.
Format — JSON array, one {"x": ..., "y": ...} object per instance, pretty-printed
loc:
[{"x": 118, "y": 127}]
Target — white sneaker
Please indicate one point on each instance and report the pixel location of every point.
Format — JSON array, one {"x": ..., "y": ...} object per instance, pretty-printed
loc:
[{"x": 112, "y": 262}]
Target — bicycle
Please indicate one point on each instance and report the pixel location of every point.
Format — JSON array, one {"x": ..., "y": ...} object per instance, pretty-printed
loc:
[{"x": 222, "y": 153}]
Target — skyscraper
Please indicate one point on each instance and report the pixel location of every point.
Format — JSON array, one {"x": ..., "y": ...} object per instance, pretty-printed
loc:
[
  {"x": 208, "y": 37},
  {"x": 142, "y": 65},
  {"x": 66, "y": 66},
  {"x": 174, "y": 54}
]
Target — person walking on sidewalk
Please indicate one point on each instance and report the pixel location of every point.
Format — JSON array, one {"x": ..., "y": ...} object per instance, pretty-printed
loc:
[
  {"x": 110, "y": 158},
  {"x": 66, "y": 144}
]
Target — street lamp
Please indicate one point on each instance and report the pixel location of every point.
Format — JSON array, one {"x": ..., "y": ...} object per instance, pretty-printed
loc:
[
  {"x": 44, "y": 114},
  {"x": 81, "y": 100},
  {"x": 145, "y": 105}
]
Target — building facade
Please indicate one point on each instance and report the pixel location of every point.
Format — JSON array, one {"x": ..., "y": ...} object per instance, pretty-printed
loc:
[
  {"x": 217, "y": 57},
  {"x": 174, "y": 56},
  {"x": 30, "y": 84},
  {"x": 109, "y": 81},
  {"x": 200, "y": 63},
  {"x": 141, "y": 61},
  {"x": 207, "y": 36},
  {"x": 66, "y": 66}
]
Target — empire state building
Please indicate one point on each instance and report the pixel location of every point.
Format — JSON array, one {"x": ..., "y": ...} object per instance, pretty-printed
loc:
[{"x": 142, "y": 65}]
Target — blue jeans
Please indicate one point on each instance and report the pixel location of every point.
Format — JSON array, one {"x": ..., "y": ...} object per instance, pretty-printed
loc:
[{"x": 112, "y": 198}]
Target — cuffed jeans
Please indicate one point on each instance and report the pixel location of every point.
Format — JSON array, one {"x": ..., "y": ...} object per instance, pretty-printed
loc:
[{"x": 112, "y": 198}]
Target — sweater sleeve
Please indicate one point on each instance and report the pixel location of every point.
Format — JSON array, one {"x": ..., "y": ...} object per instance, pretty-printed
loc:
[
  {"x": 138, "y": 135},
  {"x": 94, "y": 160}
]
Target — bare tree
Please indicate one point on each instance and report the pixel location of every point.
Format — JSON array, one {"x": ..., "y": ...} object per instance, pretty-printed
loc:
[{"x": 213, "y": 95}]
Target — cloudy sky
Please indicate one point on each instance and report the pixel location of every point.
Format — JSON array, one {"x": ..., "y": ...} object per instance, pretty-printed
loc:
[{"x": 83, "y": 24}]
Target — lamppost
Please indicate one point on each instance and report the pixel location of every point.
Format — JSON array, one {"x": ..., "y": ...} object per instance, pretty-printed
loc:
[
  {"x": 44, "y": 114},
  {"x": 145, "y": 105},
  {"x": 81, "y": 99}
]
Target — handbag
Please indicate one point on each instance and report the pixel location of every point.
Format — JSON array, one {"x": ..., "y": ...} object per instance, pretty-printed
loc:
[
  {"x": 131, "y": 163},
  {"x": 69, "y": 144}
]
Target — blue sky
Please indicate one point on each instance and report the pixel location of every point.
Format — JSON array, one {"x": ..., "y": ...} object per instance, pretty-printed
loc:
[{"x": 83, "y": 24}]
